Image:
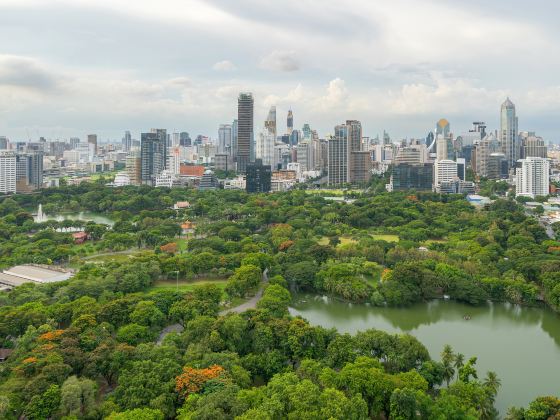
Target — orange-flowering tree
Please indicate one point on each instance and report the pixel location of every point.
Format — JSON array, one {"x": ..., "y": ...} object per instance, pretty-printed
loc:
[
  {"x": 193, "y": 380},
  {"x": 170, "y": 248}
]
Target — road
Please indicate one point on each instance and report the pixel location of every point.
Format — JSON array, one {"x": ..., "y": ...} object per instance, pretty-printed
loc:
[{"x": 250, "y": 304}]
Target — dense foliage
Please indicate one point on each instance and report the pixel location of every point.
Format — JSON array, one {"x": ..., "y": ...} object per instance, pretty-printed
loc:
[{"x": 90, "y": 347}]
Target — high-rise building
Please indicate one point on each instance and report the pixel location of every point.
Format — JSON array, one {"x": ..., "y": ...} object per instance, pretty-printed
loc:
[
  {"x": 407, "y": 176},
  {"x": 153, "y": 155},
  {"x": 441, "y": 147},
  {"x": 265, "y": 147},
  {"x": 184, "y": 139},
  {"x": 359, "y": 160},
  {"x": 532, "y": 177},
  {"x": 134, "y": 168},
  {"x": 3, "y": 143},
  {"x": 127, "y": 141},
  {"x": 270, "y": 122},
  {"x": 92, "y": 139},
  {"x": 443, "y": 128},
  {"x": 290, "y": 122},
  {"x": 509, "y": 133},
  {"x": 338, "y": 156},
  {"x": 29, "y": 171},
  {"x": 444, "y": 171},
  {"x": 225, "y": 139},
  {"x": 245, "y": 134},
  {"x": 74, "y": 141},
  {"x": 532, "y": 146},
  {"x": 481, "y": 156},
  {"x": 258, "y": 177},
  {"x": 7, "y": 172}
]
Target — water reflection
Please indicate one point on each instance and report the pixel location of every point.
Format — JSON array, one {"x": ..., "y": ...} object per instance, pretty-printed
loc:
[{"x": 522, "y": 345}]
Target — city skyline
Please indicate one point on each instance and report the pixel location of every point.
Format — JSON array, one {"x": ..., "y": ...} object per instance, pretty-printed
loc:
[{"x": 394, "y": 70}]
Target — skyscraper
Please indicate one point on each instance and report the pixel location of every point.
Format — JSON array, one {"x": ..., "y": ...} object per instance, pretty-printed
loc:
[
  {"x": 290, "y": 122},
  {"x": 338, "y": 156},
  {"x": 532, "y": 146},
  {"x": 29, "y": 171},
  {"x": 92, "y": 139},
  {"x": 184, "y": 139},
  {"x": 3, "y": 143},
  {"x": 225, "y": 138},
  {"x": 127, "y": 141},
  {"x": 270, "y": 122},
  {"x": 245, "y": 136},
  {"x": 532, "y": 177},
  {"x": 153, "y": 155},
  {"x": 508, "y": 132},
  {"x": 265, "y": 147},
  {"x": 258, "y": 177},
  {"x": 7, "y": 172}
]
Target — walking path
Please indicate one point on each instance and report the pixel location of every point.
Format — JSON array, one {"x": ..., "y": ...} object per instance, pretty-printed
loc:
[{"x": 250, "y": 304}]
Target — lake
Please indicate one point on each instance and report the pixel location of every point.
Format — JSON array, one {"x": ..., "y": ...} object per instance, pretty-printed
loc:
[{"x": 522, "y": 345}]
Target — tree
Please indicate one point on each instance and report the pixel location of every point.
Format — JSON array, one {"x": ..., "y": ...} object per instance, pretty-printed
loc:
[
  {"x": 245, "y": 280},
  {"x": 44, "y": 406},
  {"x": 146, "y": 313},
  {"x": 192, "y": 380},
  {"x": 467, "y": 371},
  {"x": 137, "y": 414},
  {"x": 447, "y": 358},
  {"x": 77, "y": 396},
  {"x": 134, "y": 334},
  {"x": 275, "y": 301}
]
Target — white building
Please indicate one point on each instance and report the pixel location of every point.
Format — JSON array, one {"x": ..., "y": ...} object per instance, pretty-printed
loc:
[
  {"x": 165, "y": 179},
  {"x": 445, "y": 170},
  {"x": 225, "y": 139},
  {"x": 7, "y": 172},
  {"x": 121, "y": 180},
  {"x": 532, "y": 177},
  {"x": 265, "y": 147}
]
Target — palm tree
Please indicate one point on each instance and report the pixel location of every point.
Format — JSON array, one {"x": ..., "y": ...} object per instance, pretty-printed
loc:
[
  {"x": 492, "y": 383},
  {"x": 447, "y": 361},
  {"x": 459, "y": 362}
]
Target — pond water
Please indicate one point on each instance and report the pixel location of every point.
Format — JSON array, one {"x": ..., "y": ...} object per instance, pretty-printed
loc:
[
  {"x": 83, "y": 215},
  {"x": 522, "y": 345}
]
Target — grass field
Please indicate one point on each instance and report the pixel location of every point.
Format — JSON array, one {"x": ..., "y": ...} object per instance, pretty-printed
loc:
[
  {"x": 332, "y": 193},
  {"x": 343, "y": 240},
  {"x": 386, "y": 238},
  {"x": 187, "y": 285}
]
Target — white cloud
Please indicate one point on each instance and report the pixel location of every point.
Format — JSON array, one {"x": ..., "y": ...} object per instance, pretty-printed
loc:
[
  {"x": 224, "y": 65},
  {"x": 280, "y": 61}
]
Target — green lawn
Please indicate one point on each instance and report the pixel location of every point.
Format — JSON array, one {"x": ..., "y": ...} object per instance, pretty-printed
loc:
[
  {"x": 187, "y": 285},
  {"x": 181, "y": 244},
  {"x": 386, "y": 238},
  {"x": 343, "y": 240}
]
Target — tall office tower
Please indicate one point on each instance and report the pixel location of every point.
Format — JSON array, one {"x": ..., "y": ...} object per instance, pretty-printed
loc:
[
  {"x": 359, "y": 161},
  {"x": 175, "y": 139},
  {"x": 305, "y": 155},
  {"x": 444, "y": 171},
  {"x": 92, "y": 139},
  {"x": 265, "y": 147},
  {"x": 245, "y": 136},
  {"x": 532, "y": 177},
  {"x": 338, "y": 156},
  {"x": 7, "y": 172},
  {"x": 290, "y": 122},
  {"x": 270, "y": 122},
  {"x": 29, "y": 171},
  {"x": 508, "y": 132},
  {"x": 406, "y": 176},
  {"x": 134, "y": 168},
  {"x": 294, "y": 137},
  {"x": 3, "y": 143},
  {"x": 482, "y": 151},
  {"x": 258, "y": 177},
  {"x": 234, "y": 140},
  {"x": 74, "y": 141},
  {"x": 225, "y": 138},
  {"x": 184, "y": 139},
  {"x": 443, "y": 128},
  {"x": 441, "y": 147},
  {"x": 532, "y": 145},
  {"x": 306, "y": 131},
  {"x": 127, "y": 141},
  {"x": 153, "y": 155}
]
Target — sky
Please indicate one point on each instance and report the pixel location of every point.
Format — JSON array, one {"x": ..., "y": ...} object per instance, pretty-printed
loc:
[{"x": 73, "y": 67}]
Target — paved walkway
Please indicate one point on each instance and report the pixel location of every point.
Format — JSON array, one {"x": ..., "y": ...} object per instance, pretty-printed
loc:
[{"x": 250, "y": 304}]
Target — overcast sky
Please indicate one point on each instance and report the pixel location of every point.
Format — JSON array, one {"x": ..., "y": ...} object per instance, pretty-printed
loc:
[{"x": 72, "y": 67}]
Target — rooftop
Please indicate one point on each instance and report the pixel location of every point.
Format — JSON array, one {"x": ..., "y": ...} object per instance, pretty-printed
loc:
[{"x": 37, "y": 273}]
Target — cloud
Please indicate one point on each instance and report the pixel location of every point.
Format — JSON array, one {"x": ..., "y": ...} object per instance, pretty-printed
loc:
[
  {"x": 224, "y": 65},
  {"x": 19, "y": 71},
  {"x": 280, "y": 61}
]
